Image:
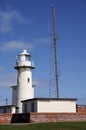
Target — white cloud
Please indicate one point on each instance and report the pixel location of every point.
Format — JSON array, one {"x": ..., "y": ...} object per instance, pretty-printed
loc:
[
  {"x": 41, "y": 82},
  {"x": 8, "y": 80},
  {"x": 41, "y": 40},
  {"x": 7, "y": 18},
  {"x": 13, "y": 45},
  {"x": 41, "y": 87}
]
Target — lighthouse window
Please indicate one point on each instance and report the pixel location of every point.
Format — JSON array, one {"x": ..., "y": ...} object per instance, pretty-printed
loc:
[
  {"x": 27, "y": 57},
  {"x": 28, "y": 80}
]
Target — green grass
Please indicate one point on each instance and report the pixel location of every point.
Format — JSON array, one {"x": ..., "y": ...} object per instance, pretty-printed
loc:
[{"x": 47, "y": 126}]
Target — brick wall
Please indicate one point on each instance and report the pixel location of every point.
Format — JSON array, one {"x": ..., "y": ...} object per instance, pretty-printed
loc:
[
  {"x": 14, "y": 118},
  {"x": 5, "y": 118},
  {"x": 40, "y": 117},
  {"x": 56, "y": 117},
  {"x": 81, "y": 109}
]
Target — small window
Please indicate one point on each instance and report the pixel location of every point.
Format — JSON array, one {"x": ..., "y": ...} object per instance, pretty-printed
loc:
[
  {"x": 28, "y": 58},
  {"x": 4, "y": 109},
  {"x": 28, "y": 79},
  {"x": 25, "y": 108},
  {"x": 32, "y": 107},
  {"x": 8, "y": 107}
]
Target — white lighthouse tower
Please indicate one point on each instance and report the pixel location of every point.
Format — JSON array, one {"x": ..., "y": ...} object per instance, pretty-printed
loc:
[{"x": 25, "y": 89}]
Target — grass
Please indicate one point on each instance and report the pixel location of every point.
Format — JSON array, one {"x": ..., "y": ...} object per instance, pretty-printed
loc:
[{"x": 47, "y": 126}]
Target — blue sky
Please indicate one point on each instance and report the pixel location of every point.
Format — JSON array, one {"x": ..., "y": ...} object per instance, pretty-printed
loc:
[{"x": 25, "y": 24}]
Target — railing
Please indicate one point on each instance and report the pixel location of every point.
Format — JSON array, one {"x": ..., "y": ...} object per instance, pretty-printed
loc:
[{"x": 24, "y": 64}]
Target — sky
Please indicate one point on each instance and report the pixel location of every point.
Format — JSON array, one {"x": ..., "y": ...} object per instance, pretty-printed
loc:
[{"x": 25, "y": 24}]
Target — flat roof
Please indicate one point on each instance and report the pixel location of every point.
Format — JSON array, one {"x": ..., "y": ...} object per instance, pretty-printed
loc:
[
  {"x": 8, "y": 106},
  {"x": 54, "y": 99}
]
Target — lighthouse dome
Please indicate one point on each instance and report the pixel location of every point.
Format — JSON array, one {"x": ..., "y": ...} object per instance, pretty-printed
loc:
[
  {"x": 25, "y": 53},
  {"x": 24, "y": 60}
]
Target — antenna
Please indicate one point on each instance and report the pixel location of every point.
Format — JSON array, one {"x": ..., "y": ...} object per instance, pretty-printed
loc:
[{"x": 53, "y": 89}]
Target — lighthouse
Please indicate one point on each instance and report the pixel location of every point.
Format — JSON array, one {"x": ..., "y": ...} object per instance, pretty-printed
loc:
[{"x": 24, "y": 89}]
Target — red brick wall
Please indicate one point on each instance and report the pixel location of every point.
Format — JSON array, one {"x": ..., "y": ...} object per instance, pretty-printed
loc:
[
  {"x": 56, "y": 117},
  {"x": 81, "y": 109},
  {"x": 5, "y": 118},
  {"x": 14, "y": 118},
  {"x": 40, "y": 117}
]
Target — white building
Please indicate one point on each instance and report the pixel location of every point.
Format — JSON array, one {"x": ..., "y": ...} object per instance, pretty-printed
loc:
[
  {"x": 14, "y": 95},
  {"x": 49, "y": 105},
  {"x": 24, "y": 89},
  {"x": 8, "y": 109}
]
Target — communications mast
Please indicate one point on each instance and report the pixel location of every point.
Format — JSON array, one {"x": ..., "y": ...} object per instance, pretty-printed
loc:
[{"x": 53, "y": 89}]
